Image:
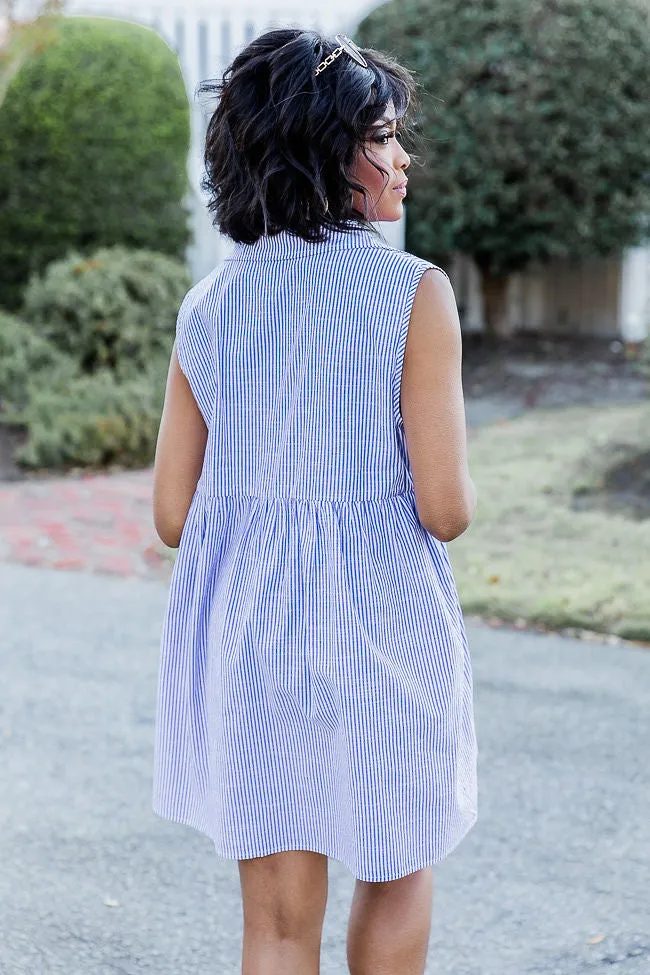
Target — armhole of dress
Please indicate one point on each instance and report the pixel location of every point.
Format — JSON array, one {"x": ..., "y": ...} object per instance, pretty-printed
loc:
[
  {"x": 191, "y": 348},
  {"x": 188, "y": 339},
  {"x": 181, "y": 326},
  {"x": 418, "y": 270}
]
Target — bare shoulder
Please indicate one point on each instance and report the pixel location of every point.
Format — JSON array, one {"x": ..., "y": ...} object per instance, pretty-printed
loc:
[
  {"x": 434, "y": 322},
  {"x": 434, "y": 299}
]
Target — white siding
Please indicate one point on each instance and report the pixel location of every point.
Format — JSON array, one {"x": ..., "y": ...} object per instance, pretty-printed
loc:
[{"x": 606, "y": 297}]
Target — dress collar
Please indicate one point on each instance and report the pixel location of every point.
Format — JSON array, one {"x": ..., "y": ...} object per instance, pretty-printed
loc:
[{"x": 285, "y": 246}]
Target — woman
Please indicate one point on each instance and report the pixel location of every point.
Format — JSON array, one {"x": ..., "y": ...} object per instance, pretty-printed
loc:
[{"x": 315, "y": 695}]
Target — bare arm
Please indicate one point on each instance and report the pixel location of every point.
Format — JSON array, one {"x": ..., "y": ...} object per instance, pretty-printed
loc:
[
  {"x": 179, "y": 456},
  {"x": 433, "y": 411}
]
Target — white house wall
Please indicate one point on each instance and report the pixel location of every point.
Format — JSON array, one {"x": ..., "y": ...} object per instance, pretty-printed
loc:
[{"x": 604, "y": 297}]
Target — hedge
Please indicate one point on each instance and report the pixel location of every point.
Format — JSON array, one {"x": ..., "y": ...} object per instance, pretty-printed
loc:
[{"x": 95, "y": 135}]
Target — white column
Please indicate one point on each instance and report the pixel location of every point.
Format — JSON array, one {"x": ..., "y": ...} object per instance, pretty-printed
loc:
[
  {"x": 393, "y": 231},
  {"x": 634, "y": 294}
]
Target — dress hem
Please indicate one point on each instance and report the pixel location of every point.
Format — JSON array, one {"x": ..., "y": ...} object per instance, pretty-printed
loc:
[{"x": 419, "y": 864}]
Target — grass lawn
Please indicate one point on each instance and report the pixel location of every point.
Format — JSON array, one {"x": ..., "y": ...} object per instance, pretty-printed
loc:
[{"x": 528, "y": 554}]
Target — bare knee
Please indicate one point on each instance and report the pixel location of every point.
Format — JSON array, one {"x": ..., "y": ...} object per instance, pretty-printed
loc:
[
  {"x": 404, "y": 893},
  {"x": 389, "y": 926},
  {"x": 284, "y": 895}
]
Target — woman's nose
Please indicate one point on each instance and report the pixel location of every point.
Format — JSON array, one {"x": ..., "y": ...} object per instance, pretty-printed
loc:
[{"x": 405, "y": 159}]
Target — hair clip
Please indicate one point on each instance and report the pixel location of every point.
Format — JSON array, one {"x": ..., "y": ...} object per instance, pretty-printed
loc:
[{"x": 350, "y": 48}]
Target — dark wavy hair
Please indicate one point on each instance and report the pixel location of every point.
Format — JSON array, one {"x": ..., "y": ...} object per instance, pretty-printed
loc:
[{"x": 282, "y": 140}]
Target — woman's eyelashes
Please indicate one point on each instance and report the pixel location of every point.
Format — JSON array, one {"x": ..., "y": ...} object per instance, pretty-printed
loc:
[{"x": 384, "y": 138}]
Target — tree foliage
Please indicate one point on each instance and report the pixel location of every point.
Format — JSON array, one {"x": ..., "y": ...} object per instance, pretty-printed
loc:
[
  {"x": 534, "y": 122},
  {"x": 94, "y": 139}
]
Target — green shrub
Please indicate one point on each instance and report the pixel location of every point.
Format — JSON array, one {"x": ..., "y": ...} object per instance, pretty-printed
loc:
[
  {"x": 93, "y": 421},
  {"x": 95, "y": 134},
  {"x": 115, "y": 310},
  {"x": 85, "y": 373},
  {"x": 25, "y": 358}
]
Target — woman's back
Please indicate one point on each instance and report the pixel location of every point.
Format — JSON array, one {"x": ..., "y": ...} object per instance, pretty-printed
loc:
[{"x": 293, "y": 350}]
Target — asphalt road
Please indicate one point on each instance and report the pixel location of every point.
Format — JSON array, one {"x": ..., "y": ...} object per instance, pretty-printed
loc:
[{"x": 92, "y": 883}]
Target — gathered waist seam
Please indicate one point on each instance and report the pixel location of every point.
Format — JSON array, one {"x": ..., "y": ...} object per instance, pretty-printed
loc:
[{"x": 268, "y": 497}]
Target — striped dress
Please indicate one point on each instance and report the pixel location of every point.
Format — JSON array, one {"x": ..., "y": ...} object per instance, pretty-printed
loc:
[{"x": 315, "y": 683}]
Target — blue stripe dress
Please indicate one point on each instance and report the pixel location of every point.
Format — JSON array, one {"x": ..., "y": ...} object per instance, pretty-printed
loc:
[{"x": 315, "y": 683}]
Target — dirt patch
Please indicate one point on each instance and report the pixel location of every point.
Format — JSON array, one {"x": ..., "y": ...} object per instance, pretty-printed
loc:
[
  {"x": 504, "y": 379},
  {"x": 624, "y": 488}
]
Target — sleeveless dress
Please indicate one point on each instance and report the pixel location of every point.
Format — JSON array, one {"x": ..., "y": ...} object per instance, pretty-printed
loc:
[{"x": 315, "y": 682}]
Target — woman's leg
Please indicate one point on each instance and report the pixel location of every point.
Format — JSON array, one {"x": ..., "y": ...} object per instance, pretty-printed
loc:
[
  {"x": 389, "y": 926},
  {"x": 284, "y": 896}
]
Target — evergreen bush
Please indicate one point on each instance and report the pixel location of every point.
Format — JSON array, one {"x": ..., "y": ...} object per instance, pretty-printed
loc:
[
  {"x": 115, "y": 309},
  {"x": 84, "y": 374},
  {"x": 93, "y": 151},
  {"x": 92, "y": 421},
  {"x": 25, "y": 358}
]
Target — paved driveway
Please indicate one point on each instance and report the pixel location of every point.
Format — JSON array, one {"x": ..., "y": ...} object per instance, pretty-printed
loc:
[{"x": 92, "y": 883}]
